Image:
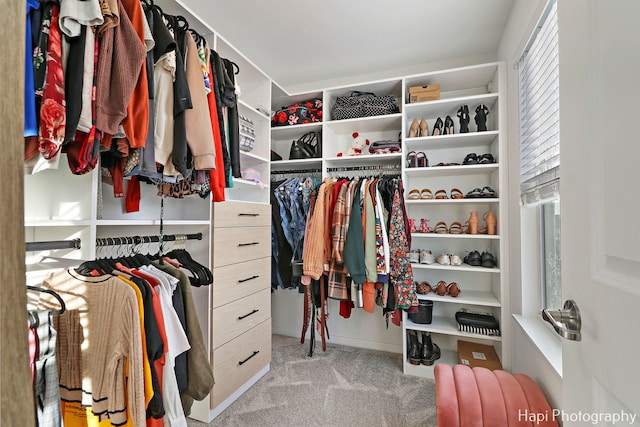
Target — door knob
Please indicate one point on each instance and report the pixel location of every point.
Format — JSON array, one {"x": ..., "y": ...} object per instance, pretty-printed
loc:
[{"x": 566, "y": 321}]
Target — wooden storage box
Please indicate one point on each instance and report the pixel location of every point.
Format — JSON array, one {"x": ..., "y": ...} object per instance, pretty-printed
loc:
[{"x": 424, "y": 93}]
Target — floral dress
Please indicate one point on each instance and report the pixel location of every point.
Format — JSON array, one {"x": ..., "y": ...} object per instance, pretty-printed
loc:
[{"x": 401, "y": 275}]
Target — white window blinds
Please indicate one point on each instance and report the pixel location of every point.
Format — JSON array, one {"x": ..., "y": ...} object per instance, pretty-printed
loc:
[{"x": 539, "y": 113}]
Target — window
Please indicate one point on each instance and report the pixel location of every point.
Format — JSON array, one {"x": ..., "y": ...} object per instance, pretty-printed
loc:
[{"x": 539, "y": 103}]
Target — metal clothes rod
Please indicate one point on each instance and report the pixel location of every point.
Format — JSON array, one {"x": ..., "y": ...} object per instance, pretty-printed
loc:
[
  {"x": 113, "y": 241},
  {"x": 365, "y": 168},
  {"x": 53, "y": 244},
  {"x": 291, "y": 171}
]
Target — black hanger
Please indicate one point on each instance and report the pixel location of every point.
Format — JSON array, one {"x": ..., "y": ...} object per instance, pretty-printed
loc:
[{"x": 55, "y": 295}]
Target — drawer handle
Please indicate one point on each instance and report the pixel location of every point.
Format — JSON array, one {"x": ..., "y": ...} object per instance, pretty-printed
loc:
[
  {"x": 242, "y": 362},
  {"x": 248, "y": 244},
  {"x": 248, "y": 278},
  {"x": 248, "y": 214},
  {"x": 255, "y": 310}
]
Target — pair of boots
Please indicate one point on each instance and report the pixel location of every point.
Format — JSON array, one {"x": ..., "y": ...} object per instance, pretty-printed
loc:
[{"x": 425, "y": 351}]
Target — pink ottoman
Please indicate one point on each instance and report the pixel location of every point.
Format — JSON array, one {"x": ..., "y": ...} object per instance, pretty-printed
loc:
[{"x": 479, "y": 397}]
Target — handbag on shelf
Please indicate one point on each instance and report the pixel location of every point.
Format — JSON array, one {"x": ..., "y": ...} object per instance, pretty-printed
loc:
[
  {"x": 299, "y": 113},
  {"x": 308, "y": 146},
  {"x": 477, "y": 323},
  {"x": 363, "y": 104}
]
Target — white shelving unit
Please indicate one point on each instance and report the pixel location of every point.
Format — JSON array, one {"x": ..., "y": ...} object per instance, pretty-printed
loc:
[{"x": 483, "y": 289}]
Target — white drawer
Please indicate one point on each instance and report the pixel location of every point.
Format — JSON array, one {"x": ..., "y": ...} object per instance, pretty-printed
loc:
[
  {"x": 234, "y": 245},
  {"x": 241, "y": 214},
  {"x": 235, "y": 281},
  {"x": 237, "y": 317},
  {"x": 237, "y": 361}
]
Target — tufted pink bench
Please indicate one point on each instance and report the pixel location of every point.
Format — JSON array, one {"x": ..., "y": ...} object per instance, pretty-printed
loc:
[{"x": 480, "y": 397}]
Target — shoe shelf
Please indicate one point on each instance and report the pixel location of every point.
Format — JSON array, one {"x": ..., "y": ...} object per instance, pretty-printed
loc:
[
  {"x": 460, "y": 170},
  {"x": 447, "y": 326},
  {"x": 446, "y": 356},
  {"x": 482, "y": 298},
  {"x": 456, "y": 236},
  {"x": 449, "y": 106},
  {"x": 462, "y": 268},
  {"x": 471, "y": 139},
  {"x": 454, "y": 201}
]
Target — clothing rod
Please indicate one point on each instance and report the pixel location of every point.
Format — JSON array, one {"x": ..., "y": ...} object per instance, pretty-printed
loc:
[
  {"x": 287, "y": 171},
  {"x": 364, "y": 168},
  {"x": 112, "y": 241},
  {"x": 53, "y": 244}
]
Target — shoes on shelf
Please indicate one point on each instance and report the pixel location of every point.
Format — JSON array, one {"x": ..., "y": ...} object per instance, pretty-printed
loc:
[
  {"x": 438, "y": 127},
  {"x": 421, "y": 159},
  {"x": 472, "y": 223},
  {"x": 426, "y": 194},
  {"x": 463, "y": 116},
  {"x": 412, "y": 225},
  {"x": 424, "y": 225},
  {"x": 470, "y": 159},
  {"x": 426, "y": 257},
  {"x": 441, "y": 228},
  {"x": 486, "y": 159},
  {"x": 455, "y": 228},
  {"x": 412, "y": 159},
  {"x": 481, "y": 117},
  {"x": 441, "y": 288},
  {"x": 414, "y": 347},
  {"x": 448, "y": 126},
  {"x": 456, "y": 194},
  {"x": 441, "y": 194},
  {"x": 453, "y": 289},
  {"x": 488, "y": 260},
  {"x": 413, "y": 194},
  {"x": 444, "y": 259},
  {"x": 423, "y": 128},
  {"x": 473, "y": 258},
  {"x": 490, "y": 222},
  {"x": 414, "y": 256},
  {"x": 423, "y": 288},
  {"x": 414, "y": 129},
  {"x": 430, "y": 352}
]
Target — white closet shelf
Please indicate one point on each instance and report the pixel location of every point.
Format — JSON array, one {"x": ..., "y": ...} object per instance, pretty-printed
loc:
[
  {"x": 443, "y": 201},
  {"x": 449, "y": 106},
  {"x": 448, "y": 326},
  {"x": 446, "y": 356},
  {"x": 483, "y": 298},
  {"x": 452, "y": 170},
  {"x": 57, "y": 222},
  {"x": 463, "y": 268},
  {"x": 241, "y": 181},
  {"x": 470, "y": 139},
  {"x": 257, "y": 111},
  {"x": 388, "y": 122},
  {"x": 455, "y": 236},
  {"x": 299, "y": 163},
  {"x": 141, "y": 222},
  {"x": 365, "y": 159},
  {"x": 294, "y": 131},
  {"x": 253, "y": 156}
]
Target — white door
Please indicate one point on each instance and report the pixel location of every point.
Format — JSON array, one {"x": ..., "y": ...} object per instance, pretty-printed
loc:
[{"x": 600, "y": 207}]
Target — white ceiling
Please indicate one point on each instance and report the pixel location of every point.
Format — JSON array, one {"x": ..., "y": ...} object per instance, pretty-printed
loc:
[{"x": 299, "y": 44}]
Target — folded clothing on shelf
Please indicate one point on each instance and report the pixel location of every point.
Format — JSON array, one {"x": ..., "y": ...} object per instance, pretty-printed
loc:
[
  {"x": 385, "y": 147},
  {"x": 249, "y": 174}
]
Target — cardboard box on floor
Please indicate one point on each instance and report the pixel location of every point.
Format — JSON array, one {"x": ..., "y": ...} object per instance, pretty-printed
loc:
[{"x": 478, "y": 355}]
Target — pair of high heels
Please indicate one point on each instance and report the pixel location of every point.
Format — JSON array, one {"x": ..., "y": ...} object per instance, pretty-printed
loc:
[
  {"x": 418, "y": 129},
  {"x": 424, "y": 226},
  {"x": 443, "y": 128},
  {"x": 489, "y": 220}
]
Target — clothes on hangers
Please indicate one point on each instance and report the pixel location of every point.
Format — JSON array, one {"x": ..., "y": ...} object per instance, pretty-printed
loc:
[
  {"x": 147, "y": 97},
  {"x": 145, "y": 309}
]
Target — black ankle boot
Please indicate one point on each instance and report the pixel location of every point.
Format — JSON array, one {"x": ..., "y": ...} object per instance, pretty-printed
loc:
[
  {"x": 414, "y": 349},
  {"x": 481, "y": 117},
  {"x": 430, "y": 350}
]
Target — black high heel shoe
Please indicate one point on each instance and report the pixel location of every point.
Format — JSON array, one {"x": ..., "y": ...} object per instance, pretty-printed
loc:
[
  {"x": 463, "y": 115},
  {"x": 438, "y": 127},
  {"x": 481, "y": 117},
  {"x": 448, "y": 126}
]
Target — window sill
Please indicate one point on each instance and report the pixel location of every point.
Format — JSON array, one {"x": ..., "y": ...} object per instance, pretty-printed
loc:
[{"x": 548, "y": 343}]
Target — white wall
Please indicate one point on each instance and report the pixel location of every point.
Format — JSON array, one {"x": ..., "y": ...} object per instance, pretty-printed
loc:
[{"x": 526, "y": 357}]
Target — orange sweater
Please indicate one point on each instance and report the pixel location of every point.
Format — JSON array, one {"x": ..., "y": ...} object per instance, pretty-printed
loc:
[{"x": 136, "y": 124}]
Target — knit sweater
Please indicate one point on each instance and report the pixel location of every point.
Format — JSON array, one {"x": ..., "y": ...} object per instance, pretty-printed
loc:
[
  {"x": 100, "y": 345},
  {"x": 313, "y": 251}
]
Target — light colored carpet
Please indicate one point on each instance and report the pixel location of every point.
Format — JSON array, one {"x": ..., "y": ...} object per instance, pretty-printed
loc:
[{"x": 344, "y": 386}]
